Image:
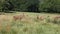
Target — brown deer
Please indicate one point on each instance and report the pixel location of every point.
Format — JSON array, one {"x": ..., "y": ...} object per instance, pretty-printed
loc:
[
  {"x": 19, "y": 17},
  {"x": 40, "y": 17},
  {"x": 57, "y": 17}
]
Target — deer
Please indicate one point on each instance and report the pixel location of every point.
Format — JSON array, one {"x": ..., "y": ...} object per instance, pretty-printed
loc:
[
  {"x": 19, "y": 17},
  {"x": 57, "y": 17},
  {"x": 40, "y": 17}
]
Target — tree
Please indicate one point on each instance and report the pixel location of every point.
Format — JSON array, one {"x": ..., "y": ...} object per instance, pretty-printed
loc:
[{"x": 49, "y": 5}]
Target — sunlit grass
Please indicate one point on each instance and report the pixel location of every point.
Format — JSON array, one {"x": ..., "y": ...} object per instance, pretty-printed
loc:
[{"x": 29, "y": 25}]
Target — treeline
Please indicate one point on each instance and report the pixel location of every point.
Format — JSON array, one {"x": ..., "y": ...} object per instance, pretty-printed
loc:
[{"x": 49, "y": 6}]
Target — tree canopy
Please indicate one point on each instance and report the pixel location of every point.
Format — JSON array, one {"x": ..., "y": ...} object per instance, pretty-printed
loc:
[{"x": 30, "y": 5}]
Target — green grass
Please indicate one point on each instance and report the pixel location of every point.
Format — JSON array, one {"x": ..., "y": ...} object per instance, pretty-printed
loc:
[{"x": 31, "y": 26}]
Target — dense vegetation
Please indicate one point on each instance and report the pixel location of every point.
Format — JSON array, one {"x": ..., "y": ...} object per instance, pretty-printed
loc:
[{"x": 30, "y": 5}]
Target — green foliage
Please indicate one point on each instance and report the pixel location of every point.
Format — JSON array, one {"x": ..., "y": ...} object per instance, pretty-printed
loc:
[
  {"x": 22, "y": 5},
  {"x": 48, "y": 19},
  {"x": 50, "y": 5},
  {"x": 1, "y": 3}
]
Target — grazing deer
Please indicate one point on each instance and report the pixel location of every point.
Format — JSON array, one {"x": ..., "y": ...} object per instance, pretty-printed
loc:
[
  {"x": 57, "y": 17},
  {"x": 19, "y": 17},
  {"x": 40, "y": 17}
]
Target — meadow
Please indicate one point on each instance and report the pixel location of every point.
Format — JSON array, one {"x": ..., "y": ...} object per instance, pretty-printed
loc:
[{"x": 29, "y": 23}]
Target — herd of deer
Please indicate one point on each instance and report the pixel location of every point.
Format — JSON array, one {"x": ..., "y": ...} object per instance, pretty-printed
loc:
[
  {"x": 20, "y": 17},
  {"x": 24, "y": 16}
]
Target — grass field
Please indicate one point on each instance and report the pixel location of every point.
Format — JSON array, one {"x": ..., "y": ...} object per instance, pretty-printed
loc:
[{"x": 32, "y": 23}]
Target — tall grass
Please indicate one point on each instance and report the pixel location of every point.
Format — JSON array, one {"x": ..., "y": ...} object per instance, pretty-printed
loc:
[{"x": 30, "y": 25}]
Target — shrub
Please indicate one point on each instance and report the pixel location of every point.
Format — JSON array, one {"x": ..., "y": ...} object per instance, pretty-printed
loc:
[{"x": 48, "y": 19}]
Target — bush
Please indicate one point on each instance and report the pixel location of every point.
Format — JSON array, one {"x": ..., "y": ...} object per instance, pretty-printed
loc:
[
  {"x": 47, "y": 19},
  {"x": 50, "y": 6}
]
